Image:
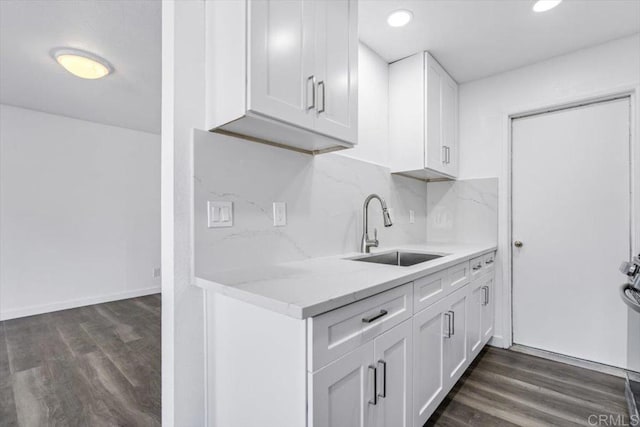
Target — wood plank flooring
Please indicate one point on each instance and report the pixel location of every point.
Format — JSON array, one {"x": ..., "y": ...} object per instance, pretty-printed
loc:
[
  {"x": 92, "y": 366},
  {"x": 505, "y": 388}
]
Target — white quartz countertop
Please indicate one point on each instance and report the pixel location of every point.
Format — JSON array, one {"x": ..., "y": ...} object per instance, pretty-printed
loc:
[{"x": 310, "y": 287}]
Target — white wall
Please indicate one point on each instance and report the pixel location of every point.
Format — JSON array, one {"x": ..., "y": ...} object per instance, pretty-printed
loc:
[
  {"x": 324, "y": 196},
  {"x": 486, "y": 103},
  {"x": 183, "y": 110},
  {"x": 373, "y": 109},
  {"x": 79, "y": 212}
]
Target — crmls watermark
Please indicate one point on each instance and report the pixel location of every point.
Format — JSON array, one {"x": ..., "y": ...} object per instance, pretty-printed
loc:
[{"x": 613, "y": 420}]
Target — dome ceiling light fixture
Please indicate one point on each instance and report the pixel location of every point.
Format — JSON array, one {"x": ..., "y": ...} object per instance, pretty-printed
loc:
[
  {"x": 544, "y": 5},
  {"x": 82, "y": 64},
  {"x": 399, "y": 18}
]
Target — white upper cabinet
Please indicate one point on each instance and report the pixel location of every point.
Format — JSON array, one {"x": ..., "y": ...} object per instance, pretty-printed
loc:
[
  {"x": 423, "y": 118},
  {"x": 284, "y": 72},
  {"x": 282, "y": 57},
  {"x": 336, "y": 68}
]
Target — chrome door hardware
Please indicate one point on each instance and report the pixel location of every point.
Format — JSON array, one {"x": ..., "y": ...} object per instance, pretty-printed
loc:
[
  {"x": 448, "y": 335},
  {"x": 384, "y": 378},
  {"x": 517, "y": 244},
  {"x": 321, "y": 84},
  {"x": 375, "y": 317},
  {"x": 374, "y": 401},
  {"x": 312, "y": 79},
  {"x": 485, "y": 293}
]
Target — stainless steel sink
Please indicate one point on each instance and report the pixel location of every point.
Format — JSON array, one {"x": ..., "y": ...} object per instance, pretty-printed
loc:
[{"x": 402, "y": 259}]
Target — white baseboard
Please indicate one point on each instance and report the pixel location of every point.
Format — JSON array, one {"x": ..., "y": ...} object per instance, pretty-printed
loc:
[
  {"x": 65, "y": 305},
  {"x": 497, "y": 341},
  {"x": 580, "y": 363}
]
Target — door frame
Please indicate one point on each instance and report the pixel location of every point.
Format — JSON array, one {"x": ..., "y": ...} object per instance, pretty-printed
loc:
[{"x": 505, "y": 197}]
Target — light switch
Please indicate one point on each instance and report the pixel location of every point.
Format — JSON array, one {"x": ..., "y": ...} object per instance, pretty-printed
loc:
[
  {"x": 279, "y": 214},
  {"x": 219, "y": 214},
  {"x": 412, "y": 216}
]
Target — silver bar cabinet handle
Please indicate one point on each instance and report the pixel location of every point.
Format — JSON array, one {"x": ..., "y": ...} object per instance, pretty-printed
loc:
[
  {"x": 375, "y": 385},
  {"x": 444, "y": 154},
  {"x": 453, "y": 322},
  {"x": 374, "y": 317},
  {"x": 312, "y": 79},
  {"x": 321, "y": 84},
  {"x": 384, "y": 378},
  {"x": 448, "y": 324}
]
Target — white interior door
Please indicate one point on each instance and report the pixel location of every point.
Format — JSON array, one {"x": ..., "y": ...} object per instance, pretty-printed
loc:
[{"x": 571, "y": 211}]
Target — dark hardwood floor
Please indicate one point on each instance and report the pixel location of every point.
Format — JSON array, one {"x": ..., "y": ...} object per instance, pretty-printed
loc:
[
  {"x": 100, "y": 366},
  {"x": 505, "y": 388},
  {"x": 91, "y": 366}
]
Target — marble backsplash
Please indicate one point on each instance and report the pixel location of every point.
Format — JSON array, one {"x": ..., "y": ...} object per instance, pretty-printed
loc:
[
  {"x": 324, "y": 196},
  {"x": 464, "y": 211}
]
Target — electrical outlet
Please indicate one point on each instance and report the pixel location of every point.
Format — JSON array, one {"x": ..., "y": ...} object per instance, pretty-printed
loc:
[
  {"x": 412, "y": 216},
  {"x": 219, "y": 214},
  {"x": 279, "y": 214},
  {"x": 156, "y": 272}
]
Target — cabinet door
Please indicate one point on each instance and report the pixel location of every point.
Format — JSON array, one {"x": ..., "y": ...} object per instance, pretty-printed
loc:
[
  {"x": 281, "y": 55},
  {"x": 449, "y": 92},
  {"x": 434, "y": 150},
  {"x": 336, "y": 68},
  {"x": 393, "y": 352},
  {"x": 428, "y": 361},
  {"x": 488, "y": 309},
  {"x": 475, "y": 331},
  {"x": 342, "y": 391},
  {"x": 455, "y": 342}
]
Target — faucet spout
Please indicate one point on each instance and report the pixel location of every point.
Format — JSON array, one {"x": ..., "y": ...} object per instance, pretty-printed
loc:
[{"x": 367, "y": 243}]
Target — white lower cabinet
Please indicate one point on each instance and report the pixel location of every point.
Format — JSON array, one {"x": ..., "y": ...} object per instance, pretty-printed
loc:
[
  {"x": 383, "y": 361},
  {"x": 481, "y": 314},
  {"x": 371, "y": 386},
  {"x": 455, "y": 339},
  {"x": 428, "y": 361},
  {"x": 393, "y": 352},
  {"x": 342, "y": 391}
]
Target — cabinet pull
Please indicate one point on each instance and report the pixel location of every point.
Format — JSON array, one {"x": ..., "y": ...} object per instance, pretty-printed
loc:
[
  {"x": 448, "y": 324},
  {"x": 321, "y": 84},
  {"x": 448, "y": 155},
  {"x": 477, "y": 267},
  {"x": 375, "y": 385},
  {"x": 444, "y": 154},
  {"x": 485, "y": 289},
  {"x": 384, "y": 378},
  {"x": 453, "y": 322},
  {"x": 489, "y": 261},
  {"x": 311, "y": 79},
  {"x": 374, "y": 317}
]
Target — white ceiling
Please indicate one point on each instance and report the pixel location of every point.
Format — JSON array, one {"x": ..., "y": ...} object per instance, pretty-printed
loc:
[
  {"x": 126, "y": 33},
  {"x": 476, "y": 38}
]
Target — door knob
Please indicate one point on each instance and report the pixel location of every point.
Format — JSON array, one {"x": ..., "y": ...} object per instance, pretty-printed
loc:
[{"x": 517, "y": 244}]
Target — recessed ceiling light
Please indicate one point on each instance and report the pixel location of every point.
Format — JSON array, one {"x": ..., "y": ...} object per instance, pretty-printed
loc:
[
  {"x": 82, "y": 64},
  {"x": 544, "y": 5},
  {"x": 399, "y": 18}
]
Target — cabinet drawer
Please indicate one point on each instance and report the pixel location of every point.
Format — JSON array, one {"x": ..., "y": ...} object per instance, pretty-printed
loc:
[
  {"x": 477, "y": 266},
  {"x": 339, "y": 331},
  {"x": 458, "y": 276},
  {"x": 429, "y": 289},
  {"x": 489, "y": 262}
]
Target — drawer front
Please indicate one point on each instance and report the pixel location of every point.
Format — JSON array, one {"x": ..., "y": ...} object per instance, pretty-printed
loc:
[
  {"x": 339, "y": 331},
  {"x": 430, "y": 289},
  {"x": 489, "y": 262},
  {"x": 459, "y": 275},
  {"x": 477, "y": 267}
]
